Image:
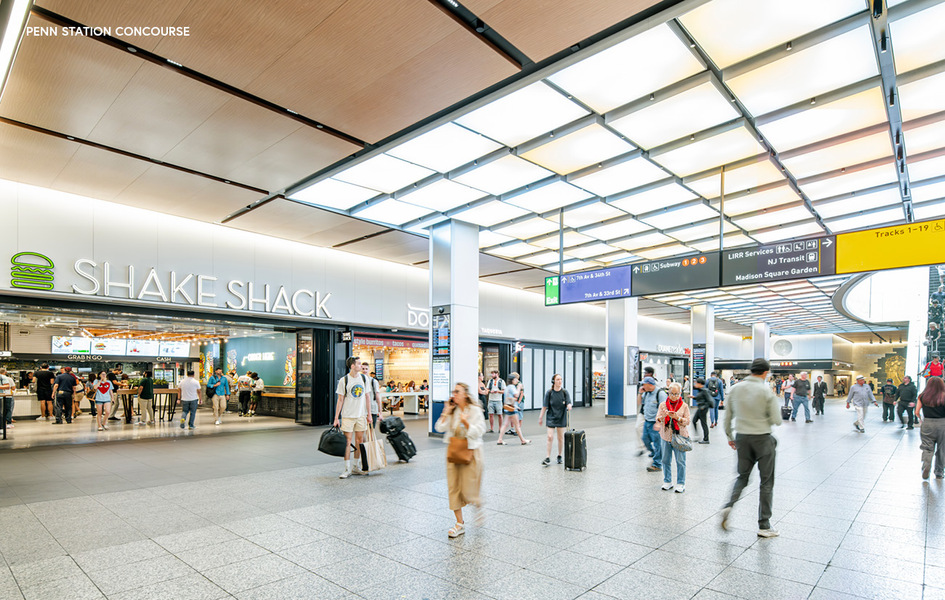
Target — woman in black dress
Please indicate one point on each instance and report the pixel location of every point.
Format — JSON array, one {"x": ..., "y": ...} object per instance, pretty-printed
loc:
[{"x": 556, "y": 404}]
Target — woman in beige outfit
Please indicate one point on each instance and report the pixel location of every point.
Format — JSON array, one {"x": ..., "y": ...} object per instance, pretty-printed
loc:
[
  {"x": 462, "y": 417},
  {"x": 673, "y": 417}
]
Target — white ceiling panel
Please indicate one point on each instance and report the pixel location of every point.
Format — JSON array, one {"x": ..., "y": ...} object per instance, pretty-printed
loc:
[
  {"x": 677, "y": 217},
  {"x": 615, "y": 76},
  {"x": 383, "y": 173},
  {"x": 759, "y": 200},
  {"x": 736, "y": 180},
  {"x": 442, "y": 195},
  {"x": 616, "y": 230},
  {"x": 489, "y": 213},
  {"x": 917, "y": 39},
  {"x": 702, "y": 155},
  {"x": 655, "y": 199},
  {"x": 549, "y": 197},
  {"x": 503, "y": 175},
  {"x": 850, "y": 153},
  {"x": 875, "y": 219},
  {"x": 579, "y": 149},
  {"x": 620, "y": 177},
  {"x": 445, "y": 148},
  {"x": 850, "y": 182},
  {"x": 829, "y": 209},
  {"x": 591, "y": 213},
  {"x": 772, "y": 217}
]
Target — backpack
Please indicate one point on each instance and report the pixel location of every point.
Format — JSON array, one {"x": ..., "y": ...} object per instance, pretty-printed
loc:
[
  {"x": 492, "y": 390},
  {"x": 712, "y": 385}
]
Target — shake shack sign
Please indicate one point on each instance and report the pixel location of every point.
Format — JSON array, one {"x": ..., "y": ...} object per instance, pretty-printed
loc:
[{"x": 108, "y": 280}]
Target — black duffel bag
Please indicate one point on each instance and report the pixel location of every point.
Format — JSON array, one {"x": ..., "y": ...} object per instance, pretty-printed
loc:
[
  {"x": 392, "y": 425},
  {"x": 333, "y": 442}
]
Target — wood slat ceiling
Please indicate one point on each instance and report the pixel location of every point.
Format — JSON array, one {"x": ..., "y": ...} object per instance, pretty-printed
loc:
[
  {"x": 540, "y": 28},
  {"x": 293, "y": 221},
  {"x": 367, "y": 68}
]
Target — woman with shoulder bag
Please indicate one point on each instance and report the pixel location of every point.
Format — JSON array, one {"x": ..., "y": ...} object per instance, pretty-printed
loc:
[
  {"x": 672, "y": 418},
  {"x": 463, "y": 425},
  {"x": 513, "y": 402}
]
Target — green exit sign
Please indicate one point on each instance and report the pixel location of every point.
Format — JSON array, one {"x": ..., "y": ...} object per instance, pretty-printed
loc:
[{"x": 551, "y": 291}]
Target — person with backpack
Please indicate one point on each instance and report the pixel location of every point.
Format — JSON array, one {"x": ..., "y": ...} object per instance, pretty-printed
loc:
[
  {"x": 496, "y": 390},
  {"x": 908, "y": 396},
  {"x": 652, "y": 398},
  {"x": 647, "y": 372},
  {"x": 353, "y": 413},
  {"x": 704, "y": 403},
  {"x": 374, "y": 394},
  {"x": 221, "y": 394},
  {"x": 556, "y": 404},
  {"x": 890, "y": 395},
  {"x": 715, "y": 387}
]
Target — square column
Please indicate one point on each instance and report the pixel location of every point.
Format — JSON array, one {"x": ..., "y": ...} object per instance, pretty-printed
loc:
[
  {"x": 760, "y": 340},
  {"x": 454, "y": 306},
  {"x": 702, "y": 319},
  {"x": 623, "y": 357}
]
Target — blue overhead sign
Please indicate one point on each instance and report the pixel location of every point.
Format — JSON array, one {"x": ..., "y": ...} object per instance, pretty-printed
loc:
[{"x": 591, "y": 286}]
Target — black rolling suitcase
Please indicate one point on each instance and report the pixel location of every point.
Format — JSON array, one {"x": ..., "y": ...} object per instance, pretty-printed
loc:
[
  {"x": 786, "y": 412},
  {"x": 403, "y": 445},
  {"x": 575, "y": 449}
]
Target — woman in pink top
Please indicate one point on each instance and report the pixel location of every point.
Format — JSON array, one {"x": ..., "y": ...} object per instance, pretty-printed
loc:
[{"x": 673, "y": 417}]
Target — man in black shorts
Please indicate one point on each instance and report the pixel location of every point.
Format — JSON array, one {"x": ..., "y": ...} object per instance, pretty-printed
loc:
[
  {"x": 64, "y": 389},
  {"x": 44, "y": 384}
]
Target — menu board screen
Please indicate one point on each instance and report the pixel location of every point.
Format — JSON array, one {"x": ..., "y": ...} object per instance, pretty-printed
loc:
[
  {"x": 175, "y": 349},
  {"x": 108, "y": 346},
  {"x": 63, "y": 344},
  {"x": 143, "y": 348}
]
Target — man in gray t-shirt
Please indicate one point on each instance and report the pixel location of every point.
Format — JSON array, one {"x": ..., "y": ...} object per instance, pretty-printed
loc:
[{"x": 652, "y": 396}]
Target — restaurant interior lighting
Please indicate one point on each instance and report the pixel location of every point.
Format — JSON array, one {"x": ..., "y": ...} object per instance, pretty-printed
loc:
[
  {"x": 445, "y": 148},
  {"x": 850, "y": 182},
  {"x": 549, "y": 197},
  {"x": 918, "y": 38},
  {"x": 503, "y": 175},
  {"x": 829, "y": 209},
  {"x": 13, "y": 17},
  {"x": 742, "y": 178},
  {"x": 523, "y": 115},
  {"x": 393, "y": 212},
  {"x": 731, "y": 31},
  {"x": 922, "y": 97},
  {"x": 489, "y": 213},
  {"x": 690, "y": 111},
  {"x": 829, "y": 65},
  {"x": 711, "y": 152},
  {"x": 332, "y": 193},
  {"x": 384, "y": 173},
  {"x": 620, "y": 177},
  {"x": 579, "y": 149},
  {"x": 442, "y": 195},
  {"x": 853, "y": 152},
  {"x": 654, "y": 199},
  {"x": 826, "y": 120},
  {"x": 616, "y": 76}
]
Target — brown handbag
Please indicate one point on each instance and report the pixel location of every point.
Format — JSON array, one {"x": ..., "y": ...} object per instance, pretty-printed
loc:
[{"x": 458, "y": 451}]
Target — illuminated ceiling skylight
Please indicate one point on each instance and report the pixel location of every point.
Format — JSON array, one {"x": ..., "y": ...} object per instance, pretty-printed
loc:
[
  {"x": 445, "y": 148},
  {"x": 580, "y": 149}
]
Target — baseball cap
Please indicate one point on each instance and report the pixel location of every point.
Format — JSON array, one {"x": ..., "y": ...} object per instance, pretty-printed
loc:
[
  {"x": 889, "y": 379},
  {"x": 649, "y": 380}
]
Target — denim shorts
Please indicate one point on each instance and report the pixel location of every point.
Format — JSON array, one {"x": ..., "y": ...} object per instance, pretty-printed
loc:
[{"x": 495, "y": 407}]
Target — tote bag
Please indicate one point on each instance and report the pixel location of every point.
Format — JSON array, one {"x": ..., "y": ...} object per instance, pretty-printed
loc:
[{"x": 373, "y": 457}]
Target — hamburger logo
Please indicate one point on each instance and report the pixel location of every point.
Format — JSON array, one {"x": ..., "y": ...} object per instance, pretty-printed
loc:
[{"x": 32, "y": 271}]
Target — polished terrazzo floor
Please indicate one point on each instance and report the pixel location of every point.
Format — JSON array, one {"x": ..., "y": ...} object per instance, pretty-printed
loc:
[{"x": 260, "y": 514}]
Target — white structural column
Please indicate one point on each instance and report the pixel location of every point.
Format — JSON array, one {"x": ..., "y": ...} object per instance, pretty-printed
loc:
[
  {"x": 454, "y": 291},
  {"x": 703, "y": 338},
  {"x": 760, "y": 340},
  {"x": 622, "y": 358}
]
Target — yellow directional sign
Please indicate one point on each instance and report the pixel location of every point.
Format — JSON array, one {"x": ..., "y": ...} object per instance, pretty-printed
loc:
[{"x": 907, "y": 245}]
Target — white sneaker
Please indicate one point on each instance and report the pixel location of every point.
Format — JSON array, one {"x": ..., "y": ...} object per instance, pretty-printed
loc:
[
  {"x": 40, "y": 418},
  {"x": 219, "y": 422},
  {"x": 680, "y": 489},
  {"x": 345, "y": 475},
  {"x": 667, "y": 486},
  {"x": 768, "y": 533}
]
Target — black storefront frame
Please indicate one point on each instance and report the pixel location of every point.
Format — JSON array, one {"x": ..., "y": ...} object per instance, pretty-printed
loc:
[{"x": 580, "y": 372}]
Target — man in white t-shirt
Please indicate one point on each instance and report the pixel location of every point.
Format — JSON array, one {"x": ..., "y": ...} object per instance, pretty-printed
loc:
[
  {"x": 189, "y": 398},
  {"x": 373, "y": 392},
  {"x": 245, "y": 385},
  {"x": 353, "y": 412}
]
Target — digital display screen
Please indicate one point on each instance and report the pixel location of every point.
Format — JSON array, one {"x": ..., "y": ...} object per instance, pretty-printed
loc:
[
  {"x": 62, "y": 344},
  {"x": 144, "y": 348},
  {"x": 108, "y": 346},
  {"x": 590, "y": 286},
  {"x": 175, "y": 349}
]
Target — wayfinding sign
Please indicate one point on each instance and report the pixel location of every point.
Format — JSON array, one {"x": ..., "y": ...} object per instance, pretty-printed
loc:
[
  {"x": 588, "y": 286},
  {"x": 906, "y": 245},
  {"x": 676, "y": 274},
  {"x": 775, "y": 262}
]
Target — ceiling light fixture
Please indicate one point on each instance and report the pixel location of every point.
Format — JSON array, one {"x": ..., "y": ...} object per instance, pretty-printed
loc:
[{"x": 13, "y": 16}]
